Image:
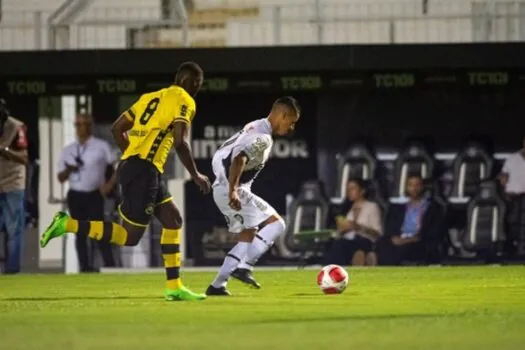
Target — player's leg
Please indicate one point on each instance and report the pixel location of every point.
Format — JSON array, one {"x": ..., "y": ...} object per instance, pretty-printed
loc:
[
  {"x": 271, "y": 226},
  {"x": 96, "y": 211},
  {"x": 127, "y": 234},
  {"x": 171, "y": 220},
  {"x": 232, "y": 259},
  {"x": 235, "y": 222},
  {"x": 139, "y": 192}
]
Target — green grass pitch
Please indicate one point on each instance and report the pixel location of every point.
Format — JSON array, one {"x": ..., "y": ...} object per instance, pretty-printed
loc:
[{"x": 404, "y": 308}]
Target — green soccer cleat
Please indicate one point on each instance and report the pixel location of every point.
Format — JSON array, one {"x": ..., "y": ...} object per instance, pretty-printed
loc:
[
  {"x": 182, "y": 293},
  {"x": 57, "y": 228}
]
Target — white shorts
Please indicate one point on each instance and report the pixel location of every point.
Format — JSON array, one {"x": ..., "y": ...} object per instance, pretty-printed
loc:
[{"x": 254, "y": 210}]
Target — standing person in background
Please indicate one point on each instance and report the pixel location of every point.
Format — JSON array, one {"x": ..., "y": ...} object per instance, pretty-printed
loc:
[
  {"x": 512, "y": 175},
  {"x": 84, "y": 163},
  {"x": 13, "y": 161}
]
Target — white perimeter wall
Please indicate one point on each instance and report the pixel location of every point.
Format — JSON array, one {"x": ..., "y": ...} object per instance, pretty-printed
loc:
[{"x": 343, "y": 22}]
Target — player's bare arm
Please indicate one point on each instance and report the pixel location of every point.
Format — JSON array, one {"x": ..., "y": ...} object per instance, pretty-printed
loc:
[
  {"x": 236, "y": 169},
  {"x": 183, "y": 149},
  {"x": 122, "y": 125}
]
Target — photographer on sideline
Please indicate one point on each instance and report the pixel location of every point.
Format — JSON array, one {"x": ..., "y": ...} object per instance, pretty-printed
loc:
[
  {"x": 13, "y": 161},
  {"x": 84, "y": 163}
]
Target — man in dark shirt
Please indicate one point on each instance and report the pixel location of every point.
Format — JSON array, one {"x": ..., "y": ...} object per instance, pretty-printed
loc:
[{"x": 411, "y": 227}]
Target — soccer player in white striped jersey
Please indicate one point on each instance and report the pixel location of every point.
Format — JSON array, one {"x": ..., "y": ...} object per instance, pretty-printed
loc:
[{"x": 235, "y": 165}]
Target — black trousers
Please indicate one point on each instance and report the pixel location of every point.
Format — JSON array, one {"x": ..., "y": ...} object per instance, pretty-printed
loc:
[
  {"x": 392, "y": 255},
  {"x": 89, "y": 206}
]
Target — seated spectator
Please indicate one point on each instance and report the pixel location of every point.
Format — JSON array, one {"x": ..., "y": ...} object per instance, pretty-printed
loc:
[
  {"x": 512, "y": 175},
  {"x": 411, "y": 227},
  {"x": 357, "y": 232}
]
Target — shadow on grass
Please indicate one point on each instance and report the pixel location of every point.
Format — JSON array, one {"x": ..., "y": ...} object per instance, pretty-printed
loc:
[
  {"x": 355, "y": 318},
  {"x": 318, "y": 294},
  {"x": 306, "y": 294},
  {"x": 29, "y": 299}
]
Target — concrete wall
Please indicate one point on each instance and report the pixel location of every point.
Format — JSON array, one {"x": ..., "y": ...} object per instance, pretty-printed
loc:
[
  {"x": 280, "y": 22},
  {"x": 20, "y": 28}
]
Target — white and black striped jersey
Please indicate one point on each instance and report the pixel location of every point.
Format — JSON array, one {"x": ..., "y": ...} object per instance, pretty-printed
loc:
[{"x": 255, "y": 142}]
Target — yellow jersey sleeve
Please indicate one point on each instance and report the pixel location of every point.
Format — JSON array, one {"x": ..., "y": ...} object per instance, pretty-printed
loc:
[
  {"x": 185, "y": 108},
  {"x": 131, "y": 112}
]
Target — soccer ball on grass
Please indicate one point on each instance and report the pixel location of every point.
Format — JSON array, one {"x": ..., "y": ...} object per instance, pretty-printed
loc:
[{"x": 332, "y": 279}]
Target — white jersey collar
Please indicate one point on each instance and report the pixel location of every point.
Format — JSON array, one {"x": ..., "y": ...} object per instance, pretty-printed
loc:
[{"x": 267, "y": 126}]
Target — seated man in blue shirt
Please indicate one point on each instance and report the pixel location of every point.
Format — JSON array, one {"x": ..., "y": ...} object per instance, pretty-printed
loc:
[{"x": 410, "y": 227}]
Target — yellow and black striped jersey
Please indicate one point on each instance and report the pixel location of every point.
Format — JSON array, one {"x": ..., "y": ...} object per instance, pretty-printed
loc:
[{"x": 154, "y": 116}]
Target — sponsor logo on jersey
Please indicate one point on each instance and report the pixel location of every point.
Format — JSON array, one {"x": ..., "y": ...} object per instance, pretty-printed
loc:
[
  {"x": 149, "y": 209},
  {"x": 239, "y": 218}
]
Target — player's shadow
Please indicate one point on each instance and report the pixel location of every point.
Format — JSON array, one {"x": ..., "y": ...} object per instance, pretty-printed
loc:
[
  {"x": 29, "y": 299},
  {"x": 316, "y": 294},
  {"x": 305, "y": 295}
]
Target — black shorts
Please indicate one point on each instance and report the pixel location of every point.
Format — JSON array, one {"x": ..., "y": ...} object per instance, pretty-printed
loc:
[{"x": 142, "y": 190}]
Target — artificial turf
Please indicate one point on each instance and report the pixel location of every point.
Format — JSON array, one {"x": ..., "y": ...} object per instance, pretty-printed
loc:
[{"x": 396, "y": 308}]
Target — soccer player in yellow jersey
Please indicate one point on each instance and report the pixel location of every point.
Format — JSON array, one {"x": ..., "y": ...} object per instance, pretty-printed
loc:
[{"x": 155, "y": 123}]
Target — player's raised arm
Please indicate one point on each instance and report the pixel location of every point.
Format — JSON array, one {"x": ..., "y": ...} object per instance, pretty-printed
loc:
[
  {"x": 183, "y": 149},
  {"x": 122, "y": 125}
]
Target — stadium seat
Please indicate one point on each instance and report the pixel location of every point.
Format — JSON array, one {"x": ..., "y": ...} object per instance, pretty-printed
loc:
[
  {"x": 472, "y": 165},
  {"x": 414, "y": 159},
  {"x": 433, "y": 191},
  {"x": 358, "y": 162},
  {"x": 307, "y": 216},
  {"x": 485, "y": 219},
  {"x": 516, "y": 224},
  {"x": 374, "y": 194}
]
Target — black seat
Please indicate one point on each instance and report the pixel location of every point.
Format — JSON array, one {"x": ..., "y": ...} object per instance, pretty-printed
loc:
[
  {"x": 516, "y": 224},
  {"x": 433, "y": 191},
  {"x": 485, "y": 219},
  {"x": 414, "y": 159},
  {"x": 308, "y": 212},
  {"x": 357, "y": 162},
  {"x": 375, "y": 194},
  {"x": 472, "y": 165}
]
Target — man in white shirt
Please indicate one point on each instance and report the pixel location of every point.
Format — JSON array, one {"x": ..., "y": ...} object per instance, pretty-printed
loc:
[
  {"x": 83, "y": 164},
  {"x": 513, "y": 173},
  {"x": 235, "y": 165}
]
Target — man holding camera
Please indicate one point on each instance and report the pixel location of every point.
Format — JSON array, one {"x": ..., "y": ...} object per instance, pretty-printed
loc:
[
  {"x": 13, "y": 161},
  {"x": 84, "y": 164}
]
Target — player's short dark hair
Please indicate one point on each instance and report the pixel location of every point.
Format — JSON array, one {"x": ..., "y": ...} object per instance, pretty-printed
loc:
[
  {"x": 189, "y": 68},
  {"x": 288, "y": 102}
]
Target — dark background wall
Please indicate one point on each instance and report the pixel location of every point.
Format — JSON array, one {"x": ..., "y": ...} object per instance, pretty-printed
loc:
[{"x": 378, "y": 94}]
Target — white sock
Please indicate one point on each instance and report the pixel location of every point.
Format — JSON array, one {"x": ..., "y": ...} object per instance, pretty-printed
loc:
[
  {"x": 232, "y": 259},
  {"x": 261, "y": 243}
]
